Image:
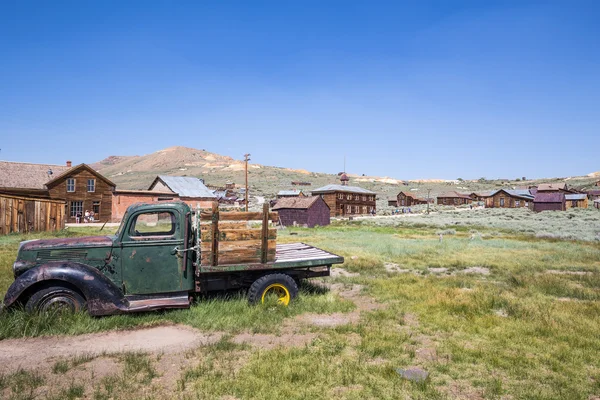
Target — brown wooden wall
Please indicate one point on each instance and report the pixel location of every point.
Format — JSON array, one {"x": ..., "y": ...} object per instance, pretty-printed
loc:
[
  {"x": 335, "y": 204},
  {"x": 509, "y": 201},
  {"x": 103, "y": 194},
  {"x": 577, "y": 203},
  {"x": 23, "y": 214},
  {"x": 453, "y": 201}
]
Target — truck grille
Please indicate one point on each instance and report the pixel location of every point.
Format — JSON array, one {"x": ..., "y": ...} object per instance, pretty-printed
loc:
[{"x": 58, "y": 255}]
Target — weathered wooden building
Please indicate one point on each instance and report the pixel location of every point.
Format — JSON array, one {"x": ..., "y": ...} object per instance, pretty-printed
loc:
[
  {"x": 549, "y": 202},
  {"x": 504, "y": 198},
  {"x": 28, "y": 214},
  {"x": 408, "y": 199},
  {"x": 310, "y": 211},
  {"x": 80, "y": 188},
  {"x": 453, "y": 199},
  {"x": 290, "y": 193},
  {"x": 576, "y": 200},
  {"x": 83, "y": 189},
  {"x": 344, "y": 200}
]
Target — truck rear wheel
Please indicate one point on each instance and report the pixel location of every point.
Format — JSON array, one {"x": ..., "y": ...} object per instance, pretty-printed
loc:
[
  {"x": 55, "y": 298},
  {"x": 275, "y": 287}
]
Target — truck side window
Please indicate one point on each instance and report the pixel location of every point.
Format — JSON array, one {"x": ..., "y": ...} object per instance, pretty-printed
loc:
[{"x": 160, "y": 223}]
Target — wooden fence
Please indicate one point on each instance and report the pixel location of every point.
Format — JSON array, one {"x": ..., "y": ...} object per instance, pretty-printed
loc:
[
  {"x": 26, "y": 214},
  {"x": 230, "y": 238}
]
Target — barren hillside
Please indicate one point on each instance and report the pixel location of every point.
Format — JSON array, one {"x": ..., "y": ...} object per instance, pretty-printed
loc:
[{"x": 137, "y": 172}]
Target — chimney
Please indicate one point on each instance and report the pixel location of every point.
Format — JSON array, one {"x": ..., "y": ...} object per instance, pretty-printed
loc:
[{"x": 69, "y": 164}]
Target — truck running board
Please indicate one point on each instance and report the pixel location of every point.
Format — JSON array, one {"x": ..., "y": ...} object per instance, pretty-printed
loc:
[{"x": 147, "y": 303}]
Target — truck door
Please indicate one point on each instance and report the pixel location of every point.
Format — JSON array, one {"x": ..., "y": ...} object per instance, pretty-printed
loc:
[{"x": 150, "y": 261}]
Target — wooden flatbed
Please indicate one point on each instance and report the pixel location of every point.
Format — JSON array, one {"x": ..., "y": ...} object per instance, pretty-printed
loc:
[{"x": 303, "y": 255}]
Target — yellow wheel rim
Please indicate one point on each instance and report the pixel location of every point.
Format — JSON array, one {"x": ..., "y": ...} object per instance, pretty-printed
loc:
[{"x": 277, "y": 289}]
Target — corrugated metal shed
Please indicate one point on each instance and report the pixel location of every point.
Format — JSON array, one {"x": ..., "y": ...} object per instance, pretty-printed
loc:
[
  {"x": 186, "y": 186},
  {"x": 342, "y": 188},
  {"x": 549, "y": 197}
]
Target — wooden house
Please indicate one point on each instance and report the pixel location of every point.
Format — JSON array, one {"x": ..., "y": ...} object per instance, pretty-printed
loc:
[
  {"x": 408, "y": 199},
  {"x": 83, "y": 189},
  {"x": 593, "y": 194},
  {"x": 549, "y": 202},
  {"x": 301, "y": 183},
  {"x": 559, "y": 187},
  {"x": 393, "y": 202},
  {"x": 576, "y": 200},
  {"x": 503, "y": 198},
  {"x": 307, "y": 211},
  {"x": 483, "y": 198},
  {"x": 454, "y": 199},
  {"x": 344, "y": 200},
  {"x": 290, "y": 193},
  {"x": 28, "y": 179}
]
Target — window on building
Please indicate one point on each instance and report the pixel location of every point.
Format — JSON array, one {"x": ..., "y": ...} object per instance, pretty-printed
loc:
[
  {"x": 160, "y": 223},
  {"x": 348, "y": 209},
  {"x": 349, "y": 197},
  {"x": 341, "y": 196},
  {"x": 356, "y": 197},
  {"x": 364, "y": 209},
  {"x": 91, "y": 185},
  {"x": 517, "y": 203},
  {"x": 76, "y": 208},
  {"x": 70, "y": 184},
  {"x": 574, "y": 203},
  {"x": 501, "y": 201}
]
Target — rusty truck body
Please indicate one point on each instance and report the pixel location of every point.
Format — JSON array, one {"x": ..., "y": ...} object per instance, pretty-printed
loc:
[{"x": 162, "y": 256}]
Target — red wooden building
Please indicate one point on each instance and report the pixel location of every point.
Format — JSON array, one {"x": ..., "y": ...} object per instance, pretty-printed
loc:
[{"x": 310, "y": 211}]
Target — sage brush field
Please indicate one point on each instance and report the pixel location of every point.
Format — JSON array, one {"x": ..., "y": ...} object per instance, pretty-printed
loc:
[
  {"x": 574, "y": 224},
  {"x": 500, "y": 308}
]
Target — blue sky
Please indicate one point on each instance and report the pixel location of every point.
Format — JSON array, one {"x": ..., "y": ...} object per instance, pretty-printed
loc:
[{"x": 438, "y": 89}]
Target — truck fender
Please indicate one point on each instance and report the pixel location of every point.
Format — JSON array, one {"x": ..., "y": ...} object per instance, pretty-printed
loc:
[{"x": 102, "y": 296}]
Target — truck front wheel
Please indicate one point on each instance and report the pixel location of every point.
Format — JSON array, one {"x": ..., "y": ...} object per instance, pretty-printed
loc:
[
  {"x": 280, "y": 288},
  {"x": 55, "y": 298}
]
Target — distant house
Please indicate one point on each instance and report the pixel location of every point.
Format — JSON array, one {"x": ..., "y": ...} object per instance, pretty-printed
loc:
[
  {"x": 190, "y": 189},
  {"x": 576, "y": 200},
  {"x": 593, "y": 194},
  {"x": 344, "y": 200},
  {"x": 561, "y": 187},
  {"x": 549, "y": 201},
  {"x": 503, "y": 198},
  {"x": 407, "y": 199},
  {"x": 309, "y": 210},
  {"x": 453, "y": 199},
  {"x": 393, "y": 202},
  {"x": 483, "y": 198},
  {"x": 229, "y": 185},
  {"x": 289, "y": 193},
  {"x": 300, "y": 183}
]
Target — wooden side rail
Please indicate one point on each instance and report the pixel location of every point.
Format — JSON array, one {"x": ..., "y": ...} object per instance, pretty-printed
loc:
[{"x": 231, "y": 237}]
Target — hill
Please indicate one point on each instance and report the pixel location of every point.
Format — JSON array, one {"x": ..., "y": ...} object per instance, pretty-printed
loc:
[{"x": 137, "y": 172}]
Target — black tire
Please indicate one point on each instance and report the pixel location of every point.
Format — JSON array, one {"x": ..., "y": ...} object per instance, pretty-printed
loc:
[
  {"x": 264, "y": 284},
  {"x": 55, "y": 298}
]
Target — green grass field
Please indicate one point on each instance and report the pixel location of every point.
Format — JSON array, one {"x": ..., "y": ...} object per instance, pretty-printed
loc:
[{"x": 527, "y": 330}]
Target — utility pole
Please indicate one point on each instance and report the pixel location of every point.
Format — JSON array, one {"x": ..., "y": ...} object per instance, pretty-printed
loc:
[
  {"x": 428, "y": 191},
  {"x": 246, "y": 159}
]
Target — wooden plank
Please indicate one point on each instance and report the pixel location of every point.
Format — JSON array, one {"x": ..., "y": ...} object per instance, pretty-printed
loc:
[
  {"x": 239, "y": 234},
  {"x": 238, "y": 216},
  {"x": 215, "y": 234},
  {"x": 254, "y": 245},
  {"x": 2, "y": 215},
  {"x": 264, "y": 247}
]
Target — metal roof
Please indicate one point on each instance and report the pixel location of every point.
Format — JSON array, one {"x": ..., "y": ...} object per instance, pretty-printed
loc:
[
  {"x": 289, "y": 192},
  {"x": 524, "y": 193},
  {"x": 342, "y": 188},
  {"x": 575, "y": 196},
  {"x": 187, "y": 186}
]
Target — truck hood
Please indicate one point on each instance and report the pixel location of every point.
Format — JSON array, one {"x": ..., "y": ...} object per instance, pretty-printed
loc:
[{"x": 86, "y": 241}]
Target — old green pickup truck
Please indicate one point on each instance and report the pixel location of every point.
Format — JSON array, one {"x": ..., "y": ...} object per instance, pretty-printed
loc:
[{"x": 162, "y": 256}]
